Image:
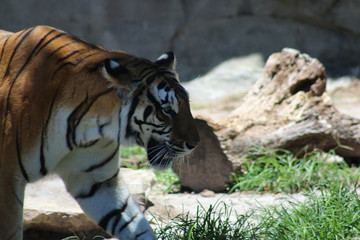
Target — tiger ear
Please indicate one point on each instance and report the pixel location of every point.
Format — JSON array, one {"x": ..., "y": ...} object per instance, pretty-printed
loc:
[
  {"x": 118, "y": 74},
  {"x": 167, "y": 60}
]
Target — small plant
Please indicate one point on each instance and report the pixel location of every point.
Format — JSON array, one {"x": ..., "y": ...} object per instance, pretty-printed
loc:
[
  {"x": 168, "y": 180},
  {"x": 133, "y": 157},
  {"x": 329, "y": 214},
  {"x": 282, "y": 171},
  {"x": 132, "y": 151},
  {"x": 208, "y": 224}
]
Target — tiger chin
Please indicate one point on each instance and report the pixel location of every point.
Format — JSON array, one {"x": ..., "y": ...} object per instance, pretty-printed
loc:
[{"x": 66, "y": 106}]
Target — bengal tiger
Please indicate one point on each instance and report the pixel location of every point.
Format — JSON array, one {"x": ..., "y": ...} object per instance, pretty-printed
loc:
[{"x": 66, "y": 106}]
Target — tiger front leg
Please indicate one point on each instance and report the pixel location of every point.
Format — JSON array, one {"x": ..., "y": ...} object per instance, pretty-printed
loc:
[
  {"x": 12, "y": 187},
  {"x": 109, "y": 203}
]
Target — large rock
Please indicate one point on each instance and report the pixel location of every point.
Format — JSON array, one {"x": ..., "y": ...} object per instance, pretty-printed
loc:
[
  {"x": 50, "y": 208},
  {"x": 203, "y": 33},
  {"x": 287, "y": 108},
  {"x": 207, "y": 160}
]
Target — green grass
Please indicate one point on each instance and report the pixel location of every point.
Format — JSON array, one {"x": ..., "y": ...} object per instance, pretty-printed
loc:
[
  {"x": 168, "y": 181},
  {"x": 331, "y": 211},
  {"x": 328, "y": 214},
  {"x": 212, "y": 223},
  {"x": 282, "y": 171},
  {"x": 136, "y": 154},
  {"x": 132, "y": 152}
]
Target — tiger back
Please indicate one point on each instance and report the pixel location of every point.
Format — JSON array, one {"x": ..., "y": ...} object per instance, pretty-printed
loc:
[{"x": 65, "y": 108}]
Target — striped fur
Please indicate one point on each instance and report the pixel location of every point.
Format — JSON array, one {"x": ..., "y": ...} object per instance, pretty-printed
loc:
[{"x": 65, "y": 108}]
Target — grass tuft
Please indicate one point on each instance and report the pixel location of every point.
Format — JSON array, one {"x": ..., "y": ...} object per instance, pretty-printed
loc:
[
  {"x": 168, "y": 180},
  {"x": 326, "y": 214},
  {"x": 282, "y": 171},
  {"x": 213, "y": 224},
  {"x": 133, "y": 157}
]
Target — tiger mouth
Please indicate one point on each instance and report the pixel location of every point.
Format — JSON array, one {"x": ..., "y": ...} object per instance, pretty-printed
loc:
[{"x": 162, "y": 154}]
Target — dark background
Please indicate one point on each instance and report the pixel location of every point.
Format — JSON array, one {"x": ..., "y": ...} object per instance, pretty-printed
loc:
[{"x": 204, "y": 33}]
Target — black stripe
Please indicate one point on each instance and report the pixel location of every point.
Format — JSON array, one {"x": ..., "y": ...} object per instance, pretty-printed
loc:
[
  {"x": 77, "y": 39},
  {"x": 50, "y": 40},
  {"x": 12, "y": 235},
  {"x": 61, "y": 66},
  {"x": 83, "y": 58},
  {"x": 58, "y": 49},
  {"x": 105, "y": 219},
  {"x": 72, "y": 63},
  {"x": 149, "y": 75},
  {"x": 18, "y": 151},
  {"x": 16, "y": 48},
  {"x": 139, "y": 122},
  {"x": 161, "y": 132},
  {"x": 119, "y": 132},
  {"x": 76, "y": 116},
  {"x": 21, "y": 33},
  {"x": 72, "y": 122},
  {"x": 29, "y": 58},
  {"x": 143, "y": 70},
  {"x": 96, "y": 187},
  {"x": 115, "y": 223},
  {"x": 148, "y": 110},
  {"x": 70, "y": 54},
  {"x": 133, "y": 106},
  {"x": 99, "y": 165},
  {"x": 13, "y": 81},
  {"x": 22, "y": 67},
  {"x": 101, "y": 126},
  {"x": 45, "y": 36},
  {"x": 17, "y": 197},
  {"x": 43, "y": 169},
  {"x": 161, "y": 85},
  {"x": 108, "y": 144},
  {"x": 3, "y": 48},
  {"x": 89, "y": 144},
  {"x": 150, "y": 79},
  {"x": 140, "y": 234},
  {"x": 127, "y": 223},
  {"x": 153, "y": 100}
]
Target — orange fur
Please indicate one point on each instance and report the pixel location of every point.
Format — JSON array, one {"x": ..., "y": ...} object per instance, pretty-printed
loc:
[{"x": 45, "y": 72}]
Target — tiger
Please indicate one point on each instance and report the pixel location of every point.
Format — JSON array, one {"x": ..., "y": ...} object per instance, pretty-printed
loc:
[{"x": 66, "y": 107}]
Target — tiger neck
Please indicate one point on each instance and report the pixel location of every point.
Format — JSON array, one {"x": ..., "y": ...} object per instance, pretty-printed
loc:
[{"x": 126, "y": 137}]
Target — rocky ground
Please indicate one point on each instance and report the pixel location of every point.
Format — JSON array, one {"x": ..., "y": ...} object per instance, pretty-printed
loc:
[{"x": 50, "y": 208}]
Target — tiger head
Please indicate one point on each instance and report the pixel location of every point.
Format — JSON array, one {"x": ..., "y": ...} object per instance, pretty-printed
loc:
[{"x": 157, "y": 113}]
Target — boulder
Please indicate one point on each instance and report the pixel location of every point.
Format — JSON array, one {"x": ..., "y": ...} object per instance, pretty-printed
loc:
[
  {"x": 288, "y": 108},
  {"x": 207, "y": 167}
]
